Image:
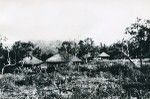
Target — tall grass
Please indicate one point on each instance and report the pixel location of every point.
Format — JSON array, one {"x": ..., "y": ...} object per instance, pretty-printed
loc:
[{"x": 101, "y": 80}]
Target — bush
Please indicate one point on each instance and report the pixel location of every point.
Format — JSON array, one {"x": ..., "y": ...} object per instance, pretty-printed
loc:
[
  {"x": 7, "y": 83},
  {"x": 78, "y": 94},
  {"x": 109, "y": 89}
]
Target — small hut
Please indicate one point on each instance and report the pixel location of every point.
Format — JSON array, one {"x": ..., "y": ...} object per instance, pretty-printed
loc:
[
  {"x": 103, "y": 55},
  {"x": 75, "y": 60},
  {"x": 31, "y": 64},
  {"x": 54, "y": 62},
  {"x": 31, "y": 61}
]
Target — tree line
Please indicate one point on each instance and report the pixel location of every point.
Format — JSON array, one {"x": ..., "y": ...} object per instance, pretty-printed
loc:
[{"x": 137, "y": 46}]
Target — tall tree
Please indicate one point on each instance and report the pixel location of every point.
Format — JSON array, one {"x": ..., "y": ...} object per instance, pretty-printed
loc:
[
  {"x": 21, "y": 49},
  {"x": 115, "y": 50},
  {"x": 140, "y": 33},
  {"x": 67, "y": 49},
  {"x": 86, "y": 49},
  {"x": 3, "y": 52}
]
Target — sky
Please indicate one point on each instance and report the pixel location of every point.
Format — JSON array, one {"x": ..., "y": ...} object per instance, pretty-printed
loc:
[{"x": 103, "y": 20}]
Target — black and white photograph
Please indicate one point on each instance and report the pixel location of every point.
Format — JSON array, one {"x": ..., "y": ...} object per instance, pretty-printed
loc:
[{"x": 74, "y": 49}]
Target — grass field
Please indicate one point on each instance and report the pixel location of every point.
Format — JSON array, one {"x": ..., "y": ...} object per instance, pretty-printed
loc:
[{"x": 115, "y": 79}]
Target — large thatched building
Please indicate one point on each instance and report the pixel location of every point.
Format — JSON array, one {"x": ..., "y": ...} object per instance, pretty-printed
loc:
[
  {"x": 54, "y": 62},
  {"x": 59, "y": 60},
  {"x": 56, "y": 59}
]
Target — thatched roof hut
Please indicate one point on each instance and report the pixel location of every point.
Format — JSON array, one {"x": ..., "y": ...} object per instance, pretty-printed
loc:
[
  {"x": 56, "y": 59},
  {"x": 75, "y": 59},
  {"x": 104, "y": 55},
  {"x": 31, "y": 60}
]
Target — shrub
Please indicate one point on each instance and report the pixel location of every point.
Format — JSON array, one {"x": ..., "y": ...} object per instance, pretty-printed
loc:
[{"x": 7, "y": 83}]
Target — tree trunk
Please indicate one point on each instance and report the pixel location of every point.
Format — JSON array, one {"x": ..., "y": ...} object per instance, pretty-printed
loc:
[
  {"x": 141, "y": 64},
  {"x": 86, "y": 61},
  {"x": 128, "y": 58}
]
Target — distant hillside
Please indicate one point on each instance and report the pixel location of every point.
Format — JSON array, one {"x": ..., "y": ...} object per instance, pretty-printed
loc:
[{"x": 48, "y": 46}]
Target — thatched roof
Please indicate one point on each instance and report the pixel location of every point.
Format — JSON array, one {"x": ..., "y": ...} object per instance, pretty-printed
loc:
[
  {"x": 55, "y": 59},
  {"x": 103, "y": 54},
  {"x": 31, "y": 60},
  {"x": 75, "y": 59}
]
